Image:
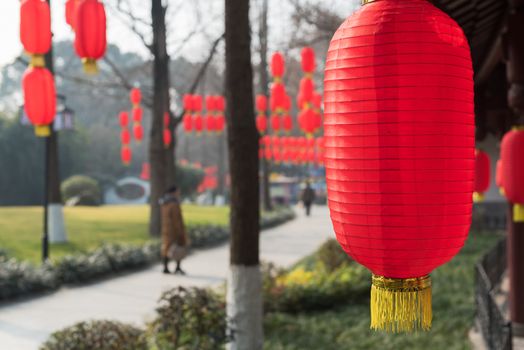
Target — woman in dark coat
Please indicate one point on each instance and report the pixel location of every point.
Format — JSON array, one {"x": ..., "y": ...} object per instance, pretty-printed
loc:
[{"x": 175, "y": 242}]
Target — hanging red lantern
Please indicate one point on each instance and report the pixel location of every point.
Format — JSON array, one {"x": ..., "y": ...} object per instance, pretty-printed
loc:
[
  {"x": 220, "y": 123},
  {"x": 275, "y": 123},
  {"x": 261, "y": 103},
  {"x": 210, "y": 103},
  {"x": 308, "y": 60},
  {"x": 499, "y": 176},
  {"x": 317, "y": 101},
  {"x": 188, "y": 122},
  {"x": 167, "y": 137},
  {"x": 306, "y": 121},
  {"x": 277, "y": 66},
  {"x": 187, "y": 102},
  {"x": 35, "y": 29},
  {"x": 123, "y": 118},
  {"x": 138, "y": 132},
  {"x": 197, "y": 103},
  {"x": 306, "y": 91},
  {"x": 220, "y": 119},
  {"x": 126, "y": 155},
  {"x": 90, "y": 30},
  {"x": 278, "y": 97},
  {"x": 211, "y": 124},
  {"x": 167, "y": 120},
  {"x": 137, "y": 114},
  {"x": 220, "y": 104},
  {"x": 482, "y": 175},
  {"x": 135, "y": 96},
  {"x": 39, "y": 99},
  {"x": 146, "y": 172},
  {"x": 512, "y": 156},
  {"x": 399, "y": 133},
  {"x": 125, "y": 137},
  {"x": 287, "y": 123},
  {"x": 70, "y": 12},
  {"x": 261, "y": 123},
  {"x": 198, "y": 123}
]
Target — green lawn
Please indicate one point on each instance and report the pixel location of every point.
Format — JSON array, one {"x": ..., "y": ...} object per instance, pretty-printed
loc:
[
  {"x": 88, "y": 227},
  {"x": 347, "y": 326}
]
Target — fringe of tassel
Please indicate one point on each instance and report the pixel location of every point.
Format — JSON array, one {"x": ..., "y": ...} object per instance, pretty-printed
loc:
[{"x": 401, "y": 305}]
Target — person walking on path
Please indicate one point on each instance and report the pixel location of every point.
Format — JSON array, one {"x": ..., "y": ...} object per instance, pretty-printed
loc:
[
  {"x": 175, "y": 241},
  {"x": 308, "y": 197}
]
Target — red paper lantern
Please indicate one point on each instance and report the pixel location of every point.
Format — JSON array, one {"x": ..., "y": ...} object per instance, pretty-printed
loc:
[
  {"x": 512, "y": 156},
  {"x": 278, "y": 97},
  {"x": 123, "y": 118},
  {"x": 261, "y": 103},
  {"x": 90, "y": 30},
  {"x": 306, "y": 91},
  {"x": 499, "y": 177},
  {"x": 137, "y": 114},
  {"x": 220, "y": 123},
  {"x": 135, "y": 96},
  {"x": 308, "y": 60},
  {"x": 210, "y": 103},
  {"x": 287, "y": 123},
  {"x": 197, "y": 103},
  {"x": 188, "y": 122},
  {"x": 261, "y": 123},
  {"x": 70, "y": 12},
  {"x": 275, "y": 123},
  {"x": 146, "y": 172},
  {"x": 211, "y": 123},
  {"x": 39, "y": 99},
  {"x": 277, "y": 65},
  {"x": 35, "y": 29},
  {"x": 400, "y": 150},
  {"x": 317, "y": 101},
  {"x": 125, "y": 137},
  {"x": 306, "y": 121},
  {"x": 187, "y": 101},
  {"x": 220, "y": 103},
  {"x": 126, "y": 155},
  {"x": 482, "y": 175},
  {"x": 167, "y": 137},
  {"x": 167, "y": 120},
  {"x": 138, "y": 132},
  {"x": 198, "y": 123}
]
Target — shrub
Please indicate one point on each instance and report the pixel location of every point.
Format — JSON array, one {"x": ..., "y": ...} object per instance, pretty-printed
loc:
[
  {"x": 189, "y": 318},
  {"x": 84, "y": 188},
  {"x": 188, "y": 178},
  {"x": 100, "y": 335},
  {"x": 331, "y": 255},
  {"x": 20, "y": 278}
]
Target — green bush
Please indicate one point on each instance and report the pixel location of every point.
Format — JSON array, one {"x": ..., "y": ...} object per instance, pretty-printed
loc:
[
  {"x": 84, "y": 188},
  {"x": 189, "y": 319},
  {"x": 187, "y": 179},
  {"x": 331, "y": 255},
  {"x": 100, "y": 335}
]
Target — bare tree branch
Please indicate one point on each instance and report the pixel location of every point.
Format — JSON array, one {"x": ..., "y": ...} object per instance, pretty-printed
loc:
[{"x": 132, "y": 22}]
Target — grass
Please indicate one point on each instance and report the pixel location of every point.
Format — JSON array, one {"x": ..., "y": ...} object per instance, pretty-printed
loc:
[
  {"x": 88, "y": 227},
  {"x": 347, "y": 326}
]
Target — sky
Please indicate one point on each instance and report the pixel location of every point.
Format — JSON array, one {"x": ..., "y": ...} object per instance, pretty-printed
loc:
[{"x": 184, "y": 16}]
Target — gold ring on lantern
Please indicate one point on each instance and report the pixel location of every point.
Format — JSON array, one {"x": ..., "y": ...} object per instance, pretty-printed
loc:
[{"x": 401, "y": 304}]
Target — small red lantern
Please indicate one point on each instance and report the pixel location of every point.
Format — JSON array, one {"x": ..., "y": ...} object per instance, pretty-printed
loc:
[
  {"x": 220, "y": 123},
  {"x": 482, "y": 175},
  {"x": 137, "y": 114},
  {"x": 146, "y": 172},
  {"x": 220, "y": 103},
  {"x": 261, "y": 123},
  {"x": 198, "y": 123},
  {"x": 287, "y": 123},
  {"x": 188, "y": 102},
  {"x": 135, "y": 96},
  {"x": 188, "y": 122},
  {"x": 277, "y": 66},
  {"x": 306, "y": 121},
  {"x": 399, "y": 136},
  {"x": 125, "y": 137},
  {"x": 499, "y": 177},
  {"x": 167, "y": 137},
  {"x": 70, "y": 12},
  {"x": 197, "y": 103},
  {"x": 138, "y": 132},
  {"x": 123, "y": 118},
  {"x": 210, "y": 103},
  {"x": 275, "y": 123},
  {"x": 306, "y": 91},
  {"x": 35, "y": 29},
  {"x": 512, "y": 156},
  {"x": 39, "y": 99},
  {"x": 261, "y": 103},
  {"x": 90, "y": 30},
  {"x": 278, "y": 97},
  {"x": 308, "y": 60},
  {"x": 211, "y": 123},
  {"x": 126, "y": 155}
]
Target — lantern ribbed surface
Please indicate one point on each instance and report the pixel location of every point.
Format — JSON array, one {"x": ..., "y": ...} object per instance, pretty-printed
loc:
[
  {"x": 513, "y": 170},
  {"x": 399, "y": 138}
]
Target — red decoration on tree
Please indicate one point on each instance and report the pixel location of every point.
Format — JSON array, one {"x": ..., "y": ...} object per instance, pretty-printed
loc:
[
  {"x": 211, "y": 123},
  {"x": 210, "y": 103},
  {"x": 220, "y": 119},
  {"x": 138, "y": 132},
  {"x": 308, "y": 60},
  {"x": 35, "y": 29},
  {"x": 482, "y": 175},
  {"x": 123, "y": 118},
  {"x": 512, "y": 156},
  {"x": 261, "y": 123},
  {"x": 400, "y": 150},
  {"x": 135, "y": 96},
  {"x": 90, "y": 30},
  {"x": 306, "y": 92},
  {"x": 126, "y": 154},
  {"x": 277, "y": 65},
  {"x": 125, "y": 137},
  {"x": 39, "y": 99}
]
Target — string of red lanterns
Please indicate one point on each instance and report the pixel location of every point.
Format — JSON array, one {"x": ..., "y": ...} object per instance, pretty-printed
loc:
[{"x": 193, "y": 119}]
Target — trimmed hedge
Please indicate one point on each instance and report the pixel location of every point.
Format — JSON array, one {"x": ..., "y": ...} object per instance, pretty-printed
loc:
[{"x": 18, "y": 279}]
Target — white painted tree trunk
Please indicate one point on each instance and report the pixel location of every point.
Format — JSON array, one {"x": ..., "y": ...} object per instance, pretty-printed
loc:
[
  {"x": 55, "y": 222},
  {"x": 244, "y": 307}
]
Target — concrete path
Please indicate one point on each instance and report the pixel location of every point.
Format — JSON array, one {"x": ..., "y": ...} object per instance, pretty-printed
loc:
[{"x": 132, "y": 298}]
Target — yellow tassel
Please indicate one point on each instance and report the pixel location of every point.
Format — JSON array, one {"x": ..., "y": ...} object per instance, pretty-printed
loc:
[
  {"x": 401, "y": 305},
  {"x": 90, "y": 66},
  {"x": 37, "y": 61},
  {"x": 478, "y": 197},
  {"x": 42, "y": 130},
  {"x": 518, "y": 212}
]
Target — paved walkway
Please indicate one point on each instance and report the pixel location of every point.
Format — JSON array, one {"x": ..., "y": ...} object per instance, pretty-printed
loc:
[{"x": 132, "y": 298}]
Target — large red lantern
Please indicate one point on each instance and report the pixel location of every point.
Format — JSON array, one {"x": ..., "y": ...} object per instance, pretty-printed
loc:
[
  {"x": 135, "y": 96},
  {"x": 512, "y": 156},
  {"x": 308, "y": 60},
  {"x": 35, "y": 29},
  {"x": 39, "y": 99},
  {"x": 70, "y": 12},
  {"x": 400, "y": 150},
  {"x": 90, "y": 33},
  {"x": 277, "y": 66},
  {"x": 482, "y": 175}
]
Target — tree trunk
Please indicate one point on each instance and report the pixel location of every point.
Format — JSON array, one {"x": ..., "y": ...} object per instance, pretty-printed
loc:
[
  {"x": 162, "y": 159},
  {"x": 55, "y": 216},
  {"x": 264, "y": 89},
  {"x": 244, "y": 295}
]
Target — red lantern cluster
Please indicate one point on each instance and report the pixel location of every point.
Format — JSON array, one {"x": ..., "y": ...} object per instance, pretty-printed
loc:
[
  {"x": 213, "y": 122},
  {"x": 308, "y": 99},
  {"x": 400, "y": 150},
  {"x": 125, "y": 138},
  {"x": 292, "y": 150},
  {"x": 482, "y": 175},
  {"x": 280, "y": 102},
  {"x": 135, "y": 97},
  {"x": 37, "y": 83},
  {"x": 261, "y": 121},
  {"x": 88, "y": 20},
  {"x": 512, "y": 157}
]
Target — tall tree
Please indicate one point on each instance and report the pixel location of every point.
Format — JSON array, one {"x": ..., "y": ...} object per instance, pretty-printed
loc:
[{"x": 244, "y": 297}]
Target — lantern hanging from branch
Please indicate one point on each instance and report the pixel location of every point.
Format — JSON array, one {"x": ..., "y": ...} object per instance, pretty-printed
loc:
[
  {"x": 126, "y": 154},
  {"x": 135, "y": 96},
  {"x": 275, "y": 123},
  {"x": 125, "y": 137},
  {"x": 123, "y": 119},
  {"x": 138, "y": 132},
  {"x": 400, "y": 150},
  {"x": 35, "y": 30},
  {"x": 39, "y": 99},
  {"x": 90, "y": 33},
  {"x": 482, "y": 175},
  {"x": 308, "y": 60},
  {"x": 277, "y": 66},
  {"x": 512, "y": 156}
]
